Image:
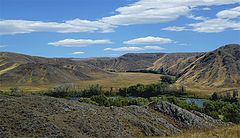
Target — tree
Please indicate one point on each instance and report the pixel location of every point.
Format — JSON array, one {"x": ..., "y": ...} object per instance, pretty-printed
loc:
[
  {"x": 235, "y": 93},
  {"x": 16, "y": 91},
  {"x": 168, "y": 79},
  {"x": 214, "y": 96},
  {"x": 232, "y": 113}
]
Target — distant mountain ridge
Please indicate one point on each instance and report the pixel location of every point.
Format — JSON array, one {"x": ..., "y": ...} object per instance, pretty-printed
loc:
[
  {"x": 218, "y": 68},
  {"x": 127, "y": 62}
]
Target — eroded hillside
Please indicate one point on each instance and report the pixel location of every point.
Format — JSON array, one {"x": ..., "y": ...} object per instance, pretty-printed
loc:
[{"x": 40, "y": 116}]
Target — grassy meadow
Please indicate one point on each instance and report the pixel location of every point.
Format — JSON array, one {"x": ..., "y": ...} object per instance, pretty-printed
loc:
[{"x": 119, "y": 80}]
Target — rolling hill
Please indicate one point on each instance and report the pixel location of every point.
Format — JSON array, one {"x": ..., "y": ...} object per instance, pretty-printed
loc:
[
  {"x": 174, "y": 63},
  {"x": 24, "y": 69},
  {"x": 219, "y": 68},
  {"x": 127, "y": 62}
]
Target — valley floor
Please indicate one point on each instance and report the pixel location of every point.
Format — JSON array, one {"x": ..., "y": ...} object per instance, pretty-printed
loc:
[{"x": 118, "y": 80}]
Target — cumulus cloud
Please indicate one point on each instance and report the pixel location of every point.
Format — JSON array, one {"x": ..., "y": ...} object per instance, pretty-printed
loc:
[
  {"x": 215, "y": 25},
  {"x": 133, "y": 48},
  {"x": 79, "y": 42},
  {"x": 158, "y": 11},
  {"x": 78, "y": 53},
  {"x": 1, "y": 46},
  {"x": 206, "y": 8},
  {"x": 175, "y": 28},
  {"x": 149, "y": 40},
  {"x": 230, "y": 13},
  {"x": 153, "y": 48},
  {"x": 130, "y": 48},
  {"x": 226, "y": 19},
  {"x": 11, "y": 27},
  {"x": 198, "y": 18},
  {"x": 140, "y": 12}
]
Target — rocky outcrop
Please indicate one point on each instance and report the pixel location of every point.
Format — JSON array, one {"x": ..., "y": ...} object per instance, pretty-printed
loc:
[
  {"x": 40, "y": 116},
  {"x": 186, "y": 118}
]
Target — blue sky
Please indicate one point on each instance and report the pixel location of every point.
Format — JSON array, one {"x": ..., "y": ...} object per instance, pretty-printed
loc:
[{"x": 93, "y": 28}]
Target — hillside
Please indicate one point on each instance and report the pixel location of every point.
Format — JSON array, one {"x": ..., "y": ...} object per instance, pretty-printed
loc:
[
  {"x": 174, "y": 63},
  {"x": 24, "y": 69},
  {"x": 219, "y": 68},
  {"x": 41, "y": 116},
  {"x": 127, "y": 62}
]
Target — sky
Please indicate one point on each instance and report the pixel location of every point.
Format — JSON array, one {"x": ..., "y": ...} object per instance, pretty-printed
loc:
[{"x": 109, "y": 28}]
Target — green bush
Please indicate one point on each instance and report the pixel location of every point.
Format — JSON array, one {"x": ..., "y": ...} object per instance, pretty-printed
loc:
[
  {"x": 232, "y": 113},
  {"x": 139, "y": 101},
  {"x": 15, "y": 91},
  {"x": 101, "y": 100},
  {"x": 87, "y": 100},
  {"x": 168, "y": 79}
]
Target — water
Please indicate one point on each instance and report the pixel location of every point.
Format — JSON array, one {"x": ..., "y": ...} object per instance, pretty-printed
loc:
[
  {"x": 74, "y": 99},
  {"x": 198, "y": 102}
]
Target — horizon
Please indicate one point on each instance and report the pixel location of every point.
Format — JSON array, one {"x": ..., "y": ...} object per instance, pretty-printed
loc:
[
  {"x": 119, "y": 55},
  {"x": 92, "y": 28}
]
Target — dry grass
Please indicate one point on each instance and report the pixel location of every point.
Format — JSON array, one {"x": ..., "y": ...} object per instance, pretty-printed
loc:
[
  {"x": 225, "y": 132},
  {"x": 207, "y": 91},
  {"x": 122, "y": 80},
  {"x": 118, "y": 80}
]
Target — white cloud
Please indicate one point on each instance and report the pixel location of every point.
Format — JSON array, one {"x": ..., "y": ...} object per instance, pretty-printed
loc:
[
  {"x": 175, "y": 28},
  {"x": 133, "y": 48},
  {"x": 11, "y": 27},
  {"x": 206, "y": 9},
  {"x": 140, "y": 12},
  {"x": 198, "y": 18},
  {"x": 1, "y": 46},
  {"x": 226, "y": 19},
  {"x": 215, "y": 25},
  {"x": 78, "y": 53},
  {"x": 79, "y": 42},
  {"x": 149, "y": 40},
  {"x": 230, "y": 13},
  {"x": 158, "y": 11},
  {"x": 153, "y": 48},
  {"x": 130, "y": 48}
]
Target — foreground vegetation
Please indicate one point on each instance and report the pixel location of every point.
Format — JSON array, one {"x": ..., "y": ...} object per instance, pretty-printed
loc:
[{"x": 225, "y": 107}]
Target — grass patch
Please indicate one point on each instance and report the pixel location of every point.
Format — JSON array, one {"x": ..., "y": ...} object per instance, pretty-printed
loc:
[
  {"x": 119, "y": 80},
  {"x": 225, "y": 132}
]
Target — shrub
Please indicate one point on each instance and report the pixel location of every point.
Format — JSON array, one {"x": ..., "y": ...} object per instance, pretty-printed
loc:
[
  {"x": 168, "y": 79},
  {"x": 139, "y": 101},
  {"x": 93, "y": 90},
  {"x": 232, "y": 113},
  {"x": 87, "y": 100},
  {"x": 15, "y": 91},
  {"x": 63, "y": 91},
  {"x": 101, "y": 100}
]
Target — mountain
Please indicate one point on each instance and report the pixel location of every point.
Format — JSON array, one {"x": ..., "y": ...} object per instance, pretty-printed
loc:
[
  {"x": 174, "y": 63},
  {"x": 24, "y": 69},
  {"x": 127, "y": 62},
  {"x": 219, "y": 68},
  {"x": 42, "y": 116}
]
